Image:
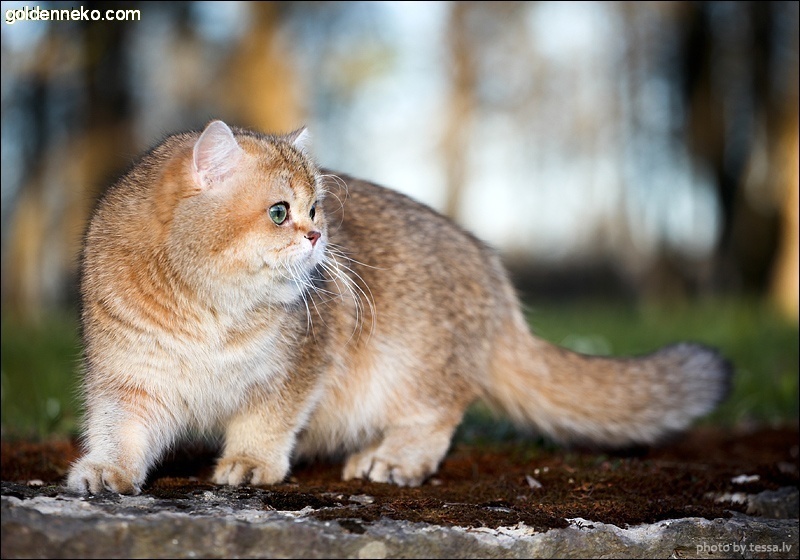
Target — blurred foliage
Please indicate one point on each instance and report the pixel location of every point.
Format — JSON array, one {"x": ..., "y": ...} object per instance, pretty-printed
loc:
[{"x": 40, "y": 379}]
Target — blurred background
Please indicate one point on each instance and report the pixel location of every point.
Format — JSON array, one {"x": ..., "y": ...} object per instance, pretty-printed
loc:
[{"x": 635, "y": 164}]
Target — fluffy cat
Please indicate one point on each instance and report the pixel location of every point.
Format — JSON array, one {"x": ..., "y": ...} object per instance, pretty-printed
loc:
[{"x": 229, "y": 286}]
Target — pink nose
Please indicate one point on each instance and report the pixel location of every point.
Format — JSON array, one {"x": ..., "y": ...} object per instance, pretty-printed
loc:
[{"x": 313, "y": 236}]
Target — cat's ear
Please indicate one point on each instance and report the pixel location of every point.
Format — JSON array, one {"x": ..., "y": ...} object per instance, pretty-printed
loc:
[
  {"x": 300, "y": 139},
  {"x": 215, "y": 156}
]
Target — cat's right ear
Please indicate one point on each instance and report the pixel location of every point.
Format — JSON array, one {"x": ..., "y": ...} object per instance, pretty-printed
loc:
[
  {"x": 300, "y": 139},
  {"x": 215, "y": 156}
]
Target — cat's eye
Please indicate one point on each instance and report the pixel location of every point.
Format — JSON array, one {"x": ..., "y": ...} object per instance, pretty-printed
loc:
[
  {"x": 279, "y": 212},
  {"x": 313, "y": 211}
]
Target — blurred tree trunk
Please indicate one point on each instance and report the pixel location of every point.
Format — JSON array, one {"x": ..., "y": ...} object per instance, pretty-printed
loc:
[
  {"x": 461, "y": 106},
  {"x": 783, "y": 163},
  {"x": 259, "y": 88},
  {"x": 732, "y": 120},
  {"x": 785, "y": 281},
  {"x": 661, "y": 273}
]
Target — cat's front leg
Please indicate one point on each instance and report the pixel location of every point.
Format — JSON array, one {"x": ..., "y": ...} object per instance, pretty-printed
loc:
[
  {"x": 96, "y": 473},
  {"x": 259, "y": 440},
  {"x": 123, "y": 440},
  {"x": 257, "y": 450}
]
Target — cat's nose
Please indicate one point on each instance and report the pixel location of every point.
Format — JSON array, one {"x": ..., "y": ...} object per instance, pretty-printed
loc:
[{"x": 313, "y": 236}]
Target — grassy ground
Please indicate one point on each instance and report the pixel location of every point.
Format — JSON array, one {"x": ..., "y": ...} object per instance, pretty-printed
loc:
[
  {"x": 39, "y": 377},
  {"x": 39, "y": 364}
]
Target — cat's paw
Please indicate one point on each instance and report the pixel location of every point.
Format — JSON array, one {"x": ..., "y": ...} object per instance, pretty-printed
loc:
[
  {"x": 241, "y": 469},
  {"x": 369, "y": 466},
  {"x": 90, "y": 477}
]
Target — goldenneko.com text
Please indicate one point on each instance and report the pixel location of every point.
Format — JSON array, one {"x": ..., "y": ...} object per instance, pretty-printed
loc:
[{"x": 75, "y": 14}]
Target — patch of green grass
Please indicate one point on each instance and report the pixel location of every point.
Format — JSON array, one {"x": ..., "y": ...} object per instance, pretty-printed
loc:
[{"x": 38, "y": 377}]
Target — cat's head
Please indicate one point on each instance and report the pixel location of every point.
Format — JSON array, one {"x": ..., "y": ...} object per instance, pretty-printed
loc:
[{"x": 250, "y": 222}]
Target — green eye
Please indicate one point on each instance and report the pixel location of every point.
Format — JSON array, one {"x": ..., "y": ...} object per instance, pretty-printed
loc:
[
  {"x": 279, "y": 212},
  {"x": 313, "y": 211}
]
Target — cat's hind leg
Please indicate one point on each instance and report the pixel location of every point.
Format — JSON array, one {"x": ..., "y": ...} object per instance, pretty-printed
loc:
[{"x": 406, "y": 455}]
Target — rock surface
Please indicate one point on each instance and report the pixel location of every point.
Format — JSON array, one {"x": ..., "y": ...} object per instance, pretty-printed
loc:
[{"x": 49, "y": 522}]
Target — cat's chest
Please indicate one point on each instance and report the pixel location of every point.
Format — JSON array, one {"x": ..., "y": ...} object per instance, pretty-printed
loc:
[{"x": 226, "y": 353}]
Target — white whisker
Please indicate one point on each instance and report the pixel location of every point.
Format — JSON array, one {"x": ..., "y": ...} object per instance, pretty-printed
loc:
[
  {"x": 340, "y": 251},
  {"x": 347, "y": 283},
  {"x": 297, "y": 276},
  {"x": 359, "y": 294},
  {"x": 342, "y": 185}
]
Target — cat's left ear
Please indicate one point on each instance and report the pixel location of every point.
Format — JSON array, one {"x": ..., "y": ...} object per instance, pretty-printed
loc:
[
  {"x": 300, "y": 139},
  {"x": 215, "y": 156}
]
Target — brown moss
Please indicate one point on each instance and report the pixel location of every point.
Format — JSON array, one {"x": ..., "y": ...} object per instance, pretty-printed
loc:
[{"x": 491, "y": 485}]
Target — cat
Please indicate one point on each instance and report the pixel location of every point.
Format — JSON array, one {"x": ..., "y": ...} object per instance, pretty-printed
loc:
[{"x": 229, "y": 286}]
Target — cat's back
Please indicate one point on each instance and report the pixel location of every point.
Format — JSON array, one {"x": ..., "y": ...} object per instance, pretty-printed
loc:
[
  {"x": 383, "y": 228},
  {"x": 385, "y": 223},
  {"x": 421, "y": 270}
]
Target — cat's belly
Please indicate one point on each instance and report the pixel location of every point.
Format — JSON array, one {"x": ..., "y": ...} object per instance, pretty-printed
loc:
[{"x": 362, "y": 395}]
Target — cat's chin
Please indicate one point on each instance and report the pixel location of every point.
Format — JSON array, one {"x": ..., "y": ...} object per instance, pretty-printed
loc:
[
  {"x": 284, "y": 290},
  {"x": 287, "y": 295}
]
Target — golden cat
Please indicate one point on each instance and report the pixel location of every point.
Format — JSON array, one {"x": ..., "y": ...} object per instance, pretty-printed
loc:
[{"x": 230, "y": 287}]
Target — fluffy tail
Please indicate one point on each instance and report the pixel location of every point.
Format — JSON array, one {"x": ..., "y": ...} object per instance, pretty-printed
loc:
[{"x": 599, "y": 401}]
